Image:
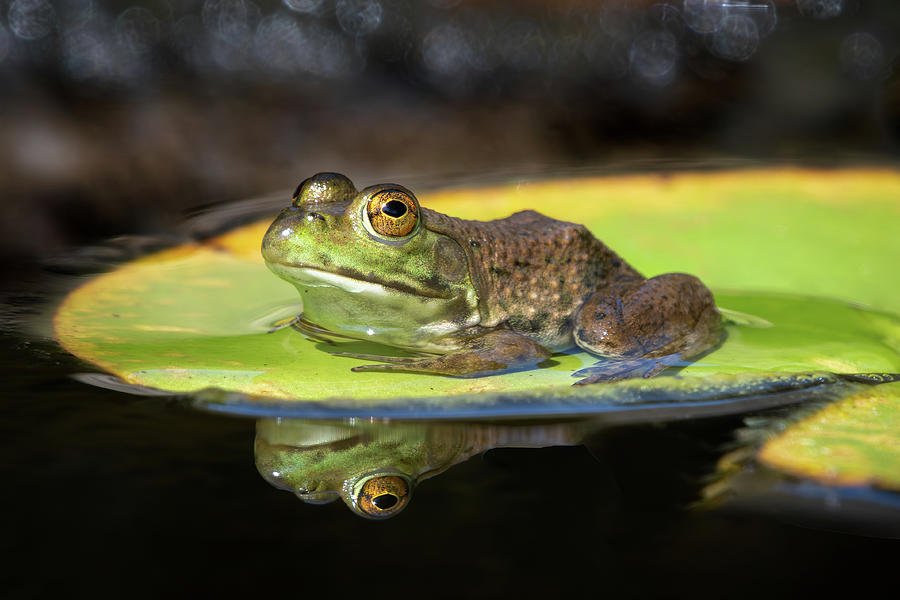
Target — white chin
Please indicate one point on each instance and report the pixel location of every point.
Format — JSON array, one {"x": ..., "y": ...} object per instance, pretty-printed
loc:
[{"x": 315, "y": 278}]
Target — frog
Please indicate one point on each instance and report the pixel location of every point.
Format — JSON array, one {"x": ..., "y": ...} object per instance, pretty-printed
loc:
[{"x": 467, "y": 298}]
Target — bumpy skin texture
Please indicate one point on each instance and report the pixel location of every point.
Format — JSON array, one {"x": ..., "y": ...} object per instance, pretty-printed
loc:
[
  {"x": 555, "y": 283},
  {"x": 534, "y": 272},
  {"x": 530, "y": 285}
]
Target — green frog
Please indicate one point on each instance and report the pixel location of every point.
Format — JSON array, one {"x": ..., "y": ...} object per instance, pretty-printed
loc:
[{"x": 473, "y": 298}]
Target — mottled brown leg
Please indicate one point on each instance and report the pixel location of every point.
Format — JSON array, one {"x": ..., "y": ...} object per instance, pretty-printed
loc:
[
  {"x": 483, "y": 355},
  {"x": 642, "y": 329}
]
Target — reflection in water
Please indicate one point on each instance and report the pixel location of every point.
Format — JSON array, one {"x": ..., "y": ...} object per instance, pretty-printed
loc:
[{"x": 375, "y": 466}]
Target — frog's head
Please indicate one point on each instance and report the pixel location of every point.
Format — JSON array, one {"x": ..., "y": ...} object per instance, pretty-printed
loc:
[
  {"x": 372, "y": 469},
  {"x": 367, "y": 265}
]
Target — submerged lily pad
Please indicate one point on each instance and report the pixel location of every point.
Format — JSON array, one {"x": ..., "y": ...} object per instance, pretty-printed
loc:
[{"x": 198, "y": 316}]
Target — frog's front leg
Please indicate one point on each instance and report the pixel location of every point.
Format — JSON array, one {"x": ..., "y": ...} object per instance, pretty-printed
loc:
[
  {"x": 642, "y": 329},
  {"x": 485, "y": 354}
]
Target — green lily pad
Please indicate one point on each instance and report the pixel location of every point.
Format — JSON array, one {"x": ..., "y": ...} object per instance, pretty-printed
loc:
[
  {"x": 198, "y": 316},
  {"x": 854, "y": 442}
]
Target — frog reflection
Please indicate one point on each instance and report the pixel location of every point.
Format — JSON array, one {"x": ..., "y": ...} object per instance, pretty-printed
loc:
[{"x": 374, "y": 467}]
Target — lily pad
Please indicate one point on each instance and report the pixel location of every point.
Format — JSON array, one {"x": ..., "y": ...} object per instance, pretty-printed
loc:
[
  {"x": 854, "y": 442},
  {"x": 198, "y": 316}
]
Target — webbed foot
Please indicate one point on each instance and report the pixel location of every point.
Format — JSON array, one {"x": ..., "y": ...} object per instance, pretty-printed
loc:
[{"x": 608, "y": 371}]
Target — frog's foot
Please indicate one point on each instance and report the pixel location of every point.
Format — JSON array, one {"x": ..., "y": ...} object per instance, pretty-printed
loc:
[
  {"x": 483, "y": 355},
  {"x": 607, "y": 371},
  {"x": 313, "y": 331}
]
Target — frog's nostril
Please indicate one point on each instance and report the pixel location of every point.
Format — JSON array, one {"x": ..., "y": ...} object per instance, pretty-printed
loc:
[{"x": 314, "y": 216}]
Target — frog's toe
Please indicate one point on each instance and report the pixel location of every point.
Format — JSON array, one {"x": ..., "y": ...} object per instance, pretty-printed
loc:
[
  {"x": 402, "y": 360},
  {"x": 598, "y": 378},
  {"x": 382, "y": 367}
]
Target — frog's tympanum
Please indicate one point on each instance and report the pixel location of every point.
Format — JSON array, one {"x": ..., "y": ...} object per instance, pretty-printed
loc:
[
  {"x": 472, "y": 298},
  {"x": 374, "y": 467}
]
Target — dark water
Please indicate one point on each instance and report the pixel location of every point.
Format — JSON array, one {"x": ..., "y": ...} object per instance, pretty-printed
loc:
[{"x": 113, "y": 495}]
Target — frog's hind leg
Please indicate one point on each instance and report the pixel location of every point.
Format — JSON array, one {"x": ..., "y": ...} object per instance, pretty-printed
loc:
[{"x": 642, "y": 329}]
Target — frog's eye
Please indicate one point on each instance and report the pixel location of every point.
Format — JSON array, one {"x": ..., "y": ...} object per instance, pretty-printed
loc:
[
  {"x": 392, "y": 213},
  {"x": 323, "y": 187},
  {"x": 383, "y": 496}
]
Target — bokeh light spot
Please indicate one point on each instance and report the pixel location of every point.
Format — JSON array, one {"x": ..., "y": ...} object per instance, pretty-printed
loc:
[
  {"x": 862, "y": 56},
  {"x": 232, "y": 20},
  {"x": 137, "y": 29},
  {"x": 31, "y": 19},
  {"x": 703, "y": 16},
  {"x": 763, "y": 14},
  {"x": 653, "y": 57},
  {"x": 446, "y": 50},
  {"x": 358, "y": 17},
  {"x": 303, "y": 6},
  {"x": 820, "y": 9},
  {"x": 737, "y": 38}
]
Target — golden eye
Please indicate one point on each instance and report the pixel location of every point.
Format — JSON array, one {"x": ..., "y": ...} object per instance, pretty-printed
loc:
[
  {"x": 392, "y": 213},
  {"x": 383, "y": 496}
]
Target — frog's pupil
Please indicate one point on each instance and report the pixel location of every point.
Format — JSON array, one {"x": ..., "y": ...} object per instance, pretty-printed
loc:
[
  {"x": 394, "y": 208},
  {"x": 385, "y": 501}
]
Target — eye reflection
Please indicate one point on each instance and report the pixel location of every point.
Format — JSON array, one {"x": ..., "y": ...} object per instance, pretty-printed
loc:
[{"x": 383, "y": 496}]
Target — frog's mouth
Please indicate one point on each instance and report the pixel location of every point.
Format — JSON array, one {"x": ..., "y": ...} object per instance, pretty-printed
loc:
[{"x": 349, "y": 281}]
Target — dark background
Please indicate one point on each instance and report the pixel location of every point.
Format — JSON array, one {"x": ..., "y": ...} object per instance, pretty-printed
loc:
[{"x": 117, "y": 117}]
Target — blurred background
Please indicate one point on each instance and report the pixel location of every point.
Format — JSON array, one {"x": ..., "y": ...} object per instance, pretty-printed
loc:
[{"x": 116, "y": 116}]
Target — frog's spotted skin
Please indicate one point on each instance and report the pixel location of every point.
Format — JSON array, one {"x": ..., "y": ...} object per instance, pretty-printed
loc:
[
  {"x": 534, "y": 272},
  {"x": 479, "y": 297}
]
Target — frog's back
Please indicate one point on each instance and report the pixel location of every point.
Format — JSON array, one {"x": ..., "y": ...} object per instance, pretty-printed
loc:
[{"x": 533, "y": 272}]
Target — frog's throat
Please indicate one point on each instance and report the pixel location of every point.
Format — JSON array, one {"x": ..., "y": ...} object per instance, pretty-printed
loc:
[{"x": 349, "y": 281}]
